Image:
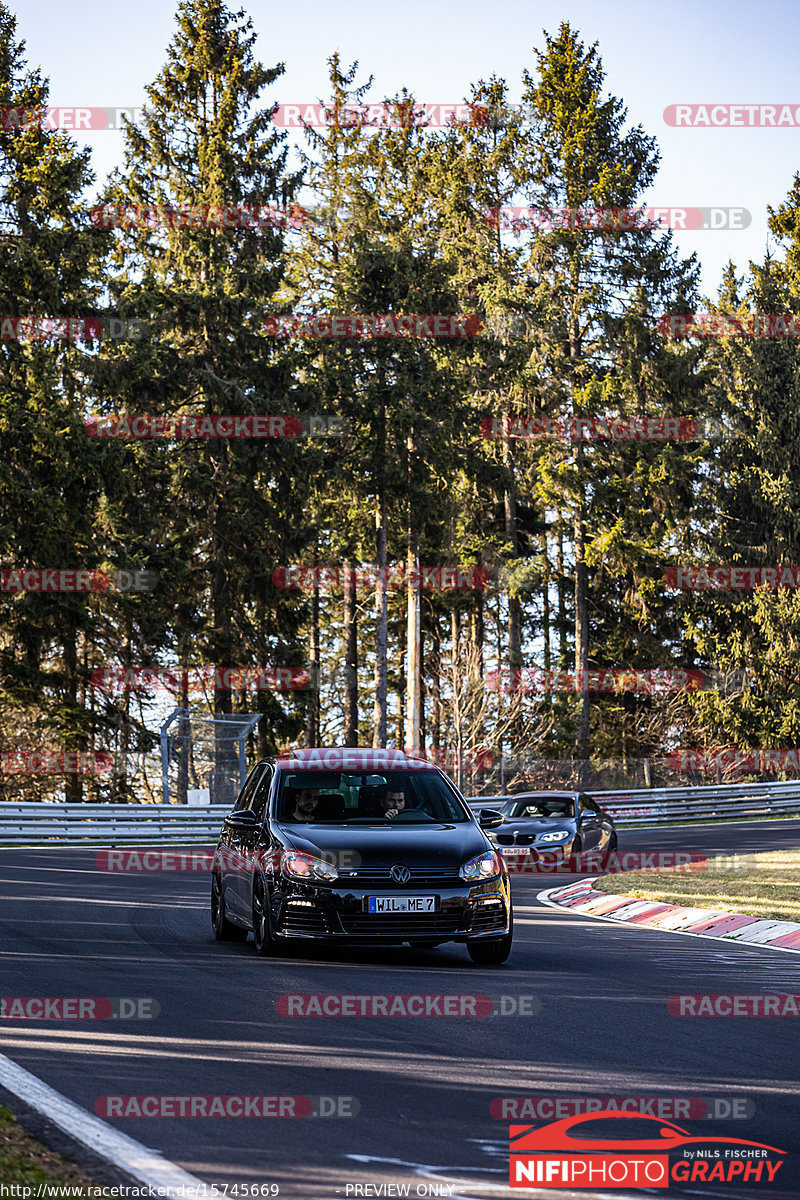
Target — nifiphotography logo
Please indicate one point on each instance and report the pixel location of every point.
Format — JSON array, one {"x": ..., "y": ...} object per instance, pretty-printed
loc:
[{"x": 613, "y": 1149}]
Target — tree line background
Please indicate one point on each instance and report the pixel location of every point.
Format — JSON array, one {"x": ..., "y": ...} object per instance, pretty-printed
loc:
[{"x": 575, "y": 537}]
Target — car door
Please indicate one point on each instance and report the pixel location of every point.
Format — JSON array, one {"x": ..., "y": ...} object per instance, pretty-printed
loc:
[
  {"x": 589, "y": 826},
  {"x": 251, "y": 840},
  {"x": 606, "y": 827},
  {"x": 237, "y": 840}
]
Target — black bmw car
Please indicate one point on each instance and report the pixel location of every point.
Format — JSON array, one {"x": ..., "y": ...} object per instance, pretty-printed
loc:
[
  {"x": 559, "y": 823},
  {"x": 366, "y": 846}
]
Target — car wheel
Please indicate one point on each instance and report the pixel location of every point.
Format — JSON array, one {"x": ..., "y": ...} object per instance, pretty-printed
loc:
[
  {"x": 262, "y": 934},
  {"x": 493, "y": 951},
  {"x": 577, "y": 848},
  {"x": 612, "y": 843},
  {"x": 224, "y": 930}
]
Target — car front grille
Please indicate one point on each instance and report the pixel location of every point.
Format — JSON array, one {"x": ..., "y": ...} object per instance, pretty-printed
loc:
[
  {"x": 402, "y": 925},
  {"x": 299, "y": 918},
  {"x": 515, "y": 839},
  {"x": 488, "y": 919},
  {"x": 420, "y": 877}
]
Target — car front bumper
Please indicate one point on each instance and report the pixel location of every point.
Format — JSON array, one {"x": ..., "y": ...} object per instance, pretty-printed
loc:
[{"x": 301, "y": 910}]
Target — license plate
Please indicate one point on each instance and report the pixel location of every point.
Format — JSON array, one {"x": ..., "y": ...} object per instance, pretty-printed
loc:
[{"x": 401, "y": 904}]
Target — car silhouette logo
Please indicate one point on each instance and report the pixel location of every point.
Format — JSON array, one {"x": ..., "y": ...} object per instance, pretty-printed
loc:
[
  {"x": 558, "y": 1136},
  {"x": 400, "y": 874}
]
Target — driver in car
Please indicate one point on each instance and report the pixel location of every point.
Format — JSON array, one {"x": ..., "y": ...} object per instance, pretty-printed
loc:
[
  {"x": 392, "y": 804},
  {"x": 305, "y": 808}
]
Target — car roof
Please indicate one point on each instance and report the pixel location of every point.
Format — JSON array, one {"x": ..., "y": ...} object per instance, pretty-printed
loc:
[
  {"x": 351, "y": 758},
  {"x": 536, "y": 795}
]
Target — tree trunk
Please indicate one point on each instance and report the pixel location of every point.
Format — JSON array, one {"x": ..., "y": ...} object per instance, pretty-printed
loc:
[
  {"x": 546, "y": 604},
  {"x": 581, "y": 632},
  {"x": 458, "y": 684},
  {"x": 350, "y": 658},
  {"x": 413, "y": 674},
  {"x": 514, "y": 606},
  {"x": 435, "y": 677},
  {"x": 379, "y": 712},
  {"x": 562, "y": 598},
  {"x": 225, "y": 775},
  {"x": 312, "y": 728},
  {"x": 73, "y": 784},
  {"x": 401, "y": 691}
]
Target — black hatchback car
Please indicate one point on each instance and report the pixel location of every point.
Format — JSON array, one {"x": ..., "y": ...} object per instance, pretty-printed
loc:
[{"x": 352, "y": 845}]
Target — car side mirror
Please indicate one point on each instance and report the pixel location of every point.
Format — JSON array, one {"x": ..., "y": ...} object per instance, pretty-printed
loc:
[
  {"x": 490, "y": 818},
  {"x": 246, "y": 819}
]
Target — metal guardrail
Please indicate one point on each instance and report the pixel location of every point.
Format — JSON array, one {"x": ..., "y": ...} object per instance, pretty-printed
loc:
[
  {"x": 661, "y": 806},
  {"x": 118, "y": 824}
]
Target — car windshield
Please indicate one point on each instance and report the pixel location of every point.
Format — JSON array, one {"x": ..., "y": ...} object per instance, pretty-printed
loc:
[
  {"x": 392, "y": 799},
  {"x": 540, "y": 806}
]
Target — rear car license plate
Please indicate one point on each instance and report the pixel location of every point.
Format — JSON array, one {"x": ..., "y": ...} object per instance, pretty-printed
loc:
[{"x": 401, "y": 904}]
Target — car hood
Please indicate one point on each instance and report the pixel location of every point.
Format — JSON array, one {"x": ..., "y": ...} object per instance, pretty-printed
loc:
[
  {"x": 535, "y": 824},
  {"x": 432, "y": 845}
]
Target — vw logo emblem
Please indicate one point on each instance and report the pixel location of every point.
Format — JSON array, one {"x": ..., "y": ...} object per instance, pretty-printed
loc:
[{"x": 400, "y": 874}]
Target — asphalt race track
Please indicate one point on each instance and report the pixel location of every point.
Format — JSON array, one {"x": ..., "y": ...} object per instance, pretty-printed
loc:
[{"x": 423, "y": 1084}]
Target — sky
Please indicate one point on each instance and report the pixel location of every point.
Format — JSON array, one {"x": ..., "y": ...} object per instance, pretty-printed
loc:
[{"x": 688, "y": 53}]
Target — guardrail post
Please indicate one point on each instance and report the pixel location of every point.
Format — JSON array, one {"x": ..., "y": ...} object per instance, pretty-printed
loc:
[{"x": 165, "y": 752}]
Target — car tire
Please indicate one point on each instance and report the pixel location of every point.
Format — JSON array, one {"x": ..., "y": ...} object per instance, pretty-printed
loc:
[
  {"x": 224, "y": 930},
  {"x": 612, "y": 844},
  {"x": 493, "y": 951},
  {"x": 262, "y": 934}
]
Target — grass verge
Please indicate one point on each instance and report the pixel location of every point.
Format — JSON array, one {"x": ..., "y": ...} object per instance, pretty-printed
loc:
[
  {"x": 27, "y": 1164},
  {"x": 758, "y": 885}
]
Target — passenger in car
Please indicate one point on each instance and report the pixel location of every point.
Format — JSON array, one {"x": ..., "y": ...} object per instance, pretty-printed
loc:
[{"x": 305, "y": 808}]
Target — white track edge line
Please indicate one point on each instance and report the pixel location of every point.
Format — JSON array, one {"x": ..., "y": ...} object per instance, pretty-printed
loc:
[
  {"x": 544, "y": 897},
  {"x": 145, "y": 1165}
]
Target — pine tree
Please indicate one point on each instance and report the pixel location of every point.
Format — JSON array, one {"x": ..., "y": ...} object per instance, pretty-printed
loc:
[
  {"x": 49, "y": 269},
  {"x": 229, "y": 512}
]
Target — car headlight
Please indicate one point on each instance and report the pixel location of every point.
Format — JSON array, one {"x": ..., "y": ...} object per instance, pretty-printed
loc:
[
  {"x": 306, "y": 866},
  {"x": 482, "y": 867},
  {"x": 559, "y": 835}
]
